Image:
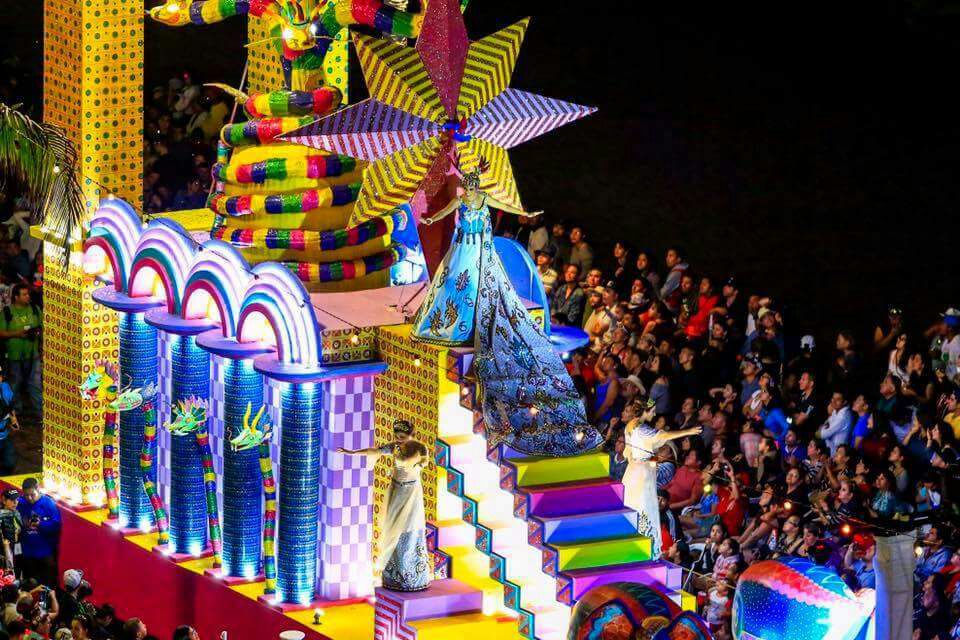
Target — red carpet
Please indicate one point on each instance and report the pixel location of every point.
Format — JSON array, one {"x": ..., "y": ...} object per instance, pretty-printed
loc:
[{"x": 146, "y": 585}]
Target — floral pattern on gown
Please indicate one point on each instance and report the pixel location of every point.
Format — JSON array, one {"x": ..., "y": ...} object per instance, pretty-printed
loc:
[
  {"x": 404, "y": 560},
  {"x": 448, "y": 313},
  {"x": 528, "y": 399}
]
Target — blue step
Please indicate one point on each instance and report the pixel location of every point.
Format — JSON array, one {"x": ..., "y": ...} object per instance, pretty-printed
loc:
[{"x": 588, "y": 527}]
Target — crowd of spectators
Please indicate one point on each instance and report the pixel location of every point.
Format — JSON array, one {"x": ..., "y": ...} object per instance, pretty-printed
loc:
[
  {"x": 182, "y": 122},
  {"x": 34, "y": 604},
  {"x": 803, "y": 451}
]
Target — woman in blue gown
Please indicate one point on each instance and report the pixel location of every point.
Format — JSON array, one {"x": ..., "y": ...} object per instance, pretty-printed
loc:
[{"x": 529, "y": 401}]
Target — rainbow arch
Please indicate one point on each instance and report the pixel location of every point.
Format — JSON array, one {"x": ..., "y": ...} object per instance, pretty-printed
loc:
[
  {"x": 279, "y": 296},
  {"x": 167, "y": 249},
  {"x": 115, "y": 229},
  {"x": 219, "y": 270}
]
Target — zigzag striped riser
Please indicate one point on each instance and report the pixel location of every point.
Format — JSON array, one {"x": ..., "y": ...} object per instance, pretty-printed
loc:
[
  {"x": 511, "y": 591},
  {"x": 441, "y": 561},
  {"x": 388, "y": 623},
  {"x": 573, "y": 513}
]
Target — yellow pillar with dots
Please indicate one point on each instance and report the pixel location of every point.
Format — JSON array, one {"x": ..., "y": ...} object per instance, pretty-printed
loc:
[{"x": 93, "y": 89}]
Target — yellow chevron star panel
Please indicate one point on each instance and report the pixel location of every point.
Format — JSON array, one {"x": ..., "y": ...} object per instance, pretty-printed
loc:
[
  {"x": 498, "y": 181},
  {"x": 490, "y": 63},
  {"x": 396, "y": 75},
  {"x": 392, "y": 181}
]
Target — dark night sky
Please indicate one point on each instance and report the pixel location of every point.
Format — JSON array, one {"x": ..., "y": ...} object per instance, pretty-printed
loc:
[{"x": 809, "y": 147}]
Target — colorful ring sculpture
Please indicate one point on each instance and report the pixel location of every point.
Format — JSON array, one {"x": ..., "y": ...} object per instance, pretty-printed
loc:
[{"x": 277, "y": 201}]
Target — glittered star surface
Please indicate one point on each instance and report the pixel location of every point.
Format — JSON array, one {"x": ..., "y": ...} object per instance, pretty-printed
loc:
[{"x": 447, "y": 101}]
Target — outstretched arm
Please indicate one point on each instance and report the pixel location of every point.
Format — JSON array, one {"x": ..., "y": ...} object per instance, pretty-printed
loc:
[
  {"x": 443, "y": 213},
  {"x": 667, "y": 436},
  {"x": 503, "y": 206}
]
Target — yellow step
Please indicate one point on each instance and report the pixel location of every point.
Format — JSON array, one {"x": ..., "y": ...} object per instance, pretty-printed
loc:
[
  {"x": 603, "y": 553},
  {"x": 535, "y": 470},
  {"x": 467, "y": 626}
]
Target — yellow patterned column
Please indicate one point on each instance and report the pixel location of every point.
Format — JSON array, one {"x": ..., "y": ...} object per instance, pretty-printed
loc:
[
  {"x": 412, "y": 388},
  {"x": 93, "y": 88},
  {"x": 264, "y": 72}
]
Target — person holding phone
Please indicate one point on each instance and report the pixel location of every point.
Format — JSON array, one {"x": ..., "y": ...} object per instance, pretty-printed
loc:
[{"x": 40, "y": 537}]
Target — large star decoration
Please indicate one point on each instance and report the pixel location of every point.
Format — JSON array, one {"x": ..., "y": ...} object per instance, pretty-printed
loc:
[{"x": 442, "y": 104}]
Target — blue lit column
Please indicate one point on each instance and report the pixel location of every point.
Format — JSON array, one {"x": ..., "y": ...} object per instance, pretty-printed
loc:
[
  {"x": 303, "y": 448},
  {"x": 299, "y": 491},
  {"x": 242, "y": 483},
  {"x": 138, "y": 367},
  {"x": 188, "y": 367}
]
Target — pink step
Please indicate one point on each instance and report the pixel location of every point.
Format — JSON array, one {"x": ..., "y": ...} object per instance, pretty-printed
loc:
[
  {"x": 574, "y": 498},
  {"x": 652, "y": 573},
  {"x": 442, "y": 598}
]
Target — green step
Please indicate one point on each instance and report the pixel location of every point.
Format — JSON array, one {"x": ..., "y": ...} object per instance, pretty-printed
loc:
[
  {"x": 603, "y": 553},
  {"x": 534, "y": 471}
]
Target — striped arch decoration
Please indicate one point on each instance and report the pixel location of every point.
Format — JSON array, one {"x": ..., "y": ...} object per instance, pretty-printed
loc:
[
  {"x": 220, "y": 271},
  {"x": 167, "y": 249},
  {"x": 278, "y": 296},
  {"x": 114, "y": 231}
]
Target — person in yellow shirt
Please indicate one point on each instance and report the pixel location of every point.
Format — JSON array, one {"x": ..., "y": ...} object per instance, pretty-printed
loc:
[{"x": 952, "y": 416}]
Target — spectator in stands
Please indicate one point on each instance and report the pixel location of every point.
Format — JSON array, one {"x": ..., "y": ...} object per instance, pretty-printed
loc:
[{"x": 40, "y": 537}]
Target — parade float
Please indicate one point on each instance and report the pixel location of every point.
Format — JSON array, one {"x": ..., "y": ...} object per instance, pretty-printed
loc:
[{"x": 226, "y": 367}]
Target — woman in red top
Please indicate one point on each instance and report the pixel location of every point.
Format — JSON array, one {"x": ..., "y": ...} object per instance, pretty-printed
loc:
[{"x": 699, "y": 320}]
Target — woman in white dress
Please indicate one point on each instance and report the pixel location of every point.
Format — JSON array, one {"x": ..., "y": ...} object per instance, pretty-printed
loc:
[
  {"x": 640, "y": 478},
  {"x": 403, "y": 561}
]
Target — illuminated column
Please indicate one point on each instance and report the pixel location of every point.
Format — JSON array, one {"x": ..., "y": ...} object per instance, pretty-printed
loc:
[
  {"x": 93, "y": 77},
  {"x": 346, "y": 505},
  {"x": 299, "y": 491},
  {"x": 138, "y": 368},
  {"x": 241, "y": 480},
  {"x": 188, "y": 368}
]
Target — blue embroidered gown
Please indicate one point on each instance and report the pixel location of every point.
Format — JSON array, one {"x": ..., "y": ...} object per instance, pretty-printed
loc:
[{"x": 529, "y": 401}]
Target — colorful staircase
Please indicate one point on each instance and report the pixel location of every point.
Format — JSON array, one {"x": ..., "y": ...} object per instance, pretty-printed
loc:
[{"x": 550, "y": 528}]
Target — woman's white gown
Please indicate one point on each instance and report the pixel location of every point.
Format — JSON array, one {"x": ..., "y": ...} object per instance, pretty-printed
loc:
[{"x": 640, "y": 481}]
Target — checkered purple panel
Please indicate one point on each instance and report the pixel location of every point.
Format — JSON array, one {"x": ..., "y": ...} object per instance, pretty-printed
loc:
[
  {"x": 346, "y": 505},
  {"x": 164, "y": 375}
]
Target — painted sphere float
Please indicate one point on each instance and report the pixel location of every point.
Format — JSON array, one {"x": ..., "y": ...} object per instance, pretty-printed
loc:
[
  {"x": 795, "y": 599},
  {"x": 621, "y": 611}
]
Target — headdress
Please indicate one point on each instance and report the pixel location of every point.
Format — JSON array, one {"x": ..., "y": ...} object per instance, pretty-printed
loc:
[
  {"x": 471, "y": 179},
  {"x": 403, "y": 426}
]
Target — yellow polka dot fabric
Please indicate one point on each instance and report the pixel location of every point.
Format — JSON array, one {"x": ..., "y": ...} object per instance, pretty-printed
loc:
[{"x": 93, "y": 89}]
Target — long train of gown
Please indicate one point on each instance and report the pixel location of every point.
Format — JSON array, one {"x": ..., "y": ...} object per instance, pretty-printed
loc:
[{"x": 528, "y": 399}]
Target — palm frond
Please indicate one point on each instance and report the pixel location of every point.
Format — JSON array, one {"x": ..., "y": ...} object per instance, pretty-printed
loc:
[{"x": 43, "y": 160}]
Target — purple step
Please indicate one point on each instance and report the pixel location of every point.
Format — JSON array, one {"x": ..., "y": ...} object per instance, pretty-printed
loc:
[
  {"x": 441, "y": 599},
  {"x": 589, "y": 526},
  {"x": 651, "y": 573},
  {"x": 574, "y": 498}
]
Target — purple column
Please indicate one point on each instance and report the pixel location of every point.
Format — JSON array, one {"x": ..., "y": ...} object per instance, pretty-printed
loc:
[{"x": 346, "y": 505}]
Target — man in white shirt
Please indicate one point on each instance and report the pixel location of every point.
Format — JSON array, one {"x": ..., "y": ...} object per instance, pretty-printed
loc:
[
  {"x": 836, "y": 430},
  {"x": 950, "y": 350},
  {"x": 603, "y": 318}
]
